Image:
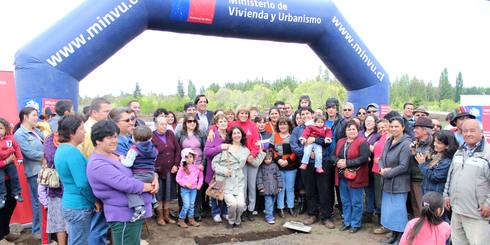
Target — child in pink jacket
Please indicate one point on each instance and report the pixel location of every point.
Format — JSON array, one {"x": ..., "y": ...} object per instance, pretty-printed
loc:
[{"x": 190, "y": 179}]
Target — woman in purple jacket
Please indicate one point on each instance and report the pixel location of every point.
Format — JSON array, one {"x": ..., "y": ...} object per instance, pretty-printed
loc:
[
  {"x": 212, "y": 148},
  {"x": 111, "y": 181}
]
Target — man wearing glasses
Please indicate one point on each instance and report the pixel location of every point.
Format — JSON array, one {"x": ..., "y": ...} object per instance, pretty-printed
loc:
[
  {"x": 372, "y": 109},
  {"x": 125, "y": 122},
  {"x": 348, "y": 111}
]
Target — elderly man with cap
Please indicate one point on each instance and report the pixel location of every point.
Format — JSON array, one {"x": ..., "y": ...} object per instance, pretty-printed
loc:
[
  {"x": 467, "y": 190},
  {"x": 459, "y": 116},
  {"x": 420, "y": 146}
]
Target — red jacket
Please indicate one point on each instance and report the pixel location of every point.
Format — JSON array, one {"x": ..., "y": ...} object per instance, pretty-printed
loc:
[
  {"x": 252, "y": 134},
  {"x": 315, "y": 132},
  {"x": 353, "y": 157},
  {"x": 8, "y": 145}
]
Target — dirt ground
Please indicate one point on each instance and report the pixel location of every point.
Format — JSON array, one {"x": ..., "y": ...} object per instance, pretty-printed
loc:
[{"x": 258, "y": 232}]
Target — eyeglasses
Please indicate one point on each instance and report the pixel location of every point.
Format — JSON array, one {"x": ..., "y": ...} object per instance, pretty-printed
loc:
[
  {"x": 127, "y": 120},
  {"x": 347, "y": 109},
  {"x": 361, "y": 113},
  {"x": 191, "y": 121},
  {"x": 371, "y": 112}
]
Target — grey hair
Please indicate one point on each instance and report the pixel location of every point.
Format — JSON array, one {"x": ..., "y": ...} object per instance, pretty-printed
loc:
[
  {"x": 480, "y": 127},
  {"x": 348, "y": 104},
  {"x": 160, "y": 119}
]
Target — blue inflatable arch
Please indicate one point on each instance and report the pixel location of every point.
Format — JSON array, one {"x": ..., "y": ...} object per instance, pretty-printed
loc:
[{"x": 51, "y": 65}]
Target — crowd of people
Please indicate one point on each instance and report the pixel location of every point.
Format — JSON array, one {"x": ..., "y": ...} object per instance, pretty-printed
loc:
[{"x": 421, "y": 183}]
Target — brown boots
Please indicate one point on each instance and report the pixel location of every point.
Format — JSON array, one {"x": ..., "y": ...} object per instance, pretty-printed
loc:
[
  {"x": 160, "y": 219},
  {"x": 166, "y": 216},
  {"x": 181, "y": 223},
  {"x": 192, "y": 222}
]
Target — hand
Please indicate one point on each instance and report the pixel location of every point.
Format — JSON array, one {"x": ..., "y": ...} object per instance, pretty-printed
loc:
[
  {"x": 155, "y": 185},
  {"x": 341, "y": 163},
  {"x": 261, "y": 190},
  {"x": 310, "y": 140},
  {"x": 224, "y": 147},
  {"x": 447, "y": 203},
  {"x": 228, "y": 173},
  {"x": 282, "y": 163},
  {"x": 383, "y": 171},
  {"x": 279, "y": 189},
  {"x": 211, "y": 135},
  {"x": 302, "y": 141},
  {"x": 188, "y": 186},
  {"x": 147, "y": 187},
  {"x": 200, "y": 167},
  {"x": 250, "y": 159},
  {"x": 484, "y": 210},
  {"x": 328, "y": 140},
  {"x": 312, "y": 155},
  {"x": 19, "y": 162},
  {"x": 174, "y": 169},
  {"x": 98, "y": 206},
  {"x": 44, "y": 163},
  {"x": 420, "y": 157},
  {"x": 9, "y": 159}
]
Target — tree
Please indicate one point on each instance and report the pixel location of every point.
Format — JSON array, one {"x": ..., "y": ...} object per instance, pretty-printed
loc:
[
  {"x": 191, "y": 90},
  {"x": 137, "y": 91},
  {"x": 202, "y": 90},
  {"x": 445, "y": 88},
  {"x": 459, "y": 87},
  {"x": 180, "y": 88}
]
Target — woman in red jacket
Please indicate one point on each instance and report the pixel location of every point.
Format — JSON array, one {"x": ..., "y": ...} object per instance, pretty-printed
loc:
[{"x": 351, "y": 154}]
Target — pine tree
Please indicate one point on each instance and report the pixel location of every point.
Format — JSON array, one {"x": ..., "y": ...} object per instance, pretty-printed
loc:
[
  {"x": 191, "y": 90},
  {"x": 202, "y": 90},
  {"x": 459, "y": 87},
  {"x": 180, "y": 88},
  {"x": 137, "y": 91},
  {"x": 445, "y": 88}
]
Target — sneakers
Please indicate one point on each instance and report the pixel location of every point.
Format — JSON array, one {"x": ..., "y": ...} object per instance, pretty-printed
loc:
[
  {"x": 270, "y": 221},
  {"x": 217, "y": 219},
  {"x": 18, "y": 198},
  {"x": 139, "y": 212},
  {"x": 303, "y": 166},
  {"x": 319, "y": 170}
]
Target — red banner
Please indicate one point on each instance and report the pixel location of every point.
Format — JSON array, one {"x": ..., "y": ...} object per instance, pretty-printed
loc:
[
  {"x": 49, "y": 103},
  {"x": 384, "y": 110},
  {"x": 8, "y": 110}
]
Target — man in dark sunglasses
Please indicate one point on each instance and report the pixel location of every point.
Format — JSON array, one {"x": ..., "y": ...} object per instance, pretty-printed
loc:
[{"x": 372, "y": 109}]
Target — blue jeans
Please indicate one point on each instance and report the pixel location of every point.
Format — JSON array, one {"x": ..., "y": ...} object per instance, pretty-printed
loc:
[
  {"x": 269, "y": 207},
  {"x": 188, "y": 200},
  {"x": 98, "y": 229},
  {"x": 36, "y": 212},
  {"x": 370, "y": 196},
  {"x": 288, "y": 180},
  {"x": 351, "y": 204},
  {"x": 217, "y": 207},
  {"x": 78, "y": 225},
  {"x": 318, "y": 154},
  {"x": 11, "y": 171}
]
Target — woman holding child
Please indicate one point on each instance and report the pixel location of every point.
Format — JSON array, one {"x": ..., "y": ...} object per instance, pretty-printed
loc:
[{"x": 112, "y": 181}]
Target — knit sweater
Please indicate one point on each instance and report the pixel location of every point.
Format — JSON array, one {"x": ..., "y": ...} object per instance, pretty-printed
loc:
[{"x": 194, "y": 177}]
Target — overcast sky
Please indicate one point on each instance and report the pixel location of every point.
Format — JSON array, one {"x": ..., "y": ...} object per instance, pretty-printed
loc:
[{"x": 416, "y": 37}]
